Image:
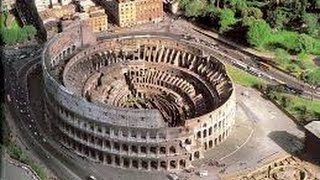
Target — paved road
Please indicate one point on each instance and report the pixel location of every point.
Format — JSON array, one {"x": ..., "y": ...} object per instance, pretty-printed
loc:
[
  {"x": 234, "y": 55},
  {"x": 16, "y": 87},
  {"x": 11, "y": 171}
]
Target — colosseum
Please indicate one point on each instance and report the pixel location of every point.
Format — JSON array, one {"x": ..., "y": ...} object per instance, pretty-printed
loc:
[{"x": 141, "y": 101}]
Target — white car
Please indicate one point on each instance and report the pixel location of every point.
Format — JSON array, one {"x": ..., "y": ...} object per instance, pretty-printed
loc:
[{"x": 92, "y": 178}]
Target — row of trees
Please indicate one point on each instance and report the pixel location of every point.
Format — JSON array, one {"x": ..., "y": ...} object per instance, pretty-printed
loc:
[
  {"x": 291, "y": 25},
  {"x": 283, "y": 26},
  {"x": 14, "y": 34}
]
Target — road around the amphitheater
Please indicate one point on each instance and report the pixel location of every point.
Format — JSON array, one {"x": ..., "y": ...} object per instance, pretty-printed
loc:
[{"x": 59, "y": 160}]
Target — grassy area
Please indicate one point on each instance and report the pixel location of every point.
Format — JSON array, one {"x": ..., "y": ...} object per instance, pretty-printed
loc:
[
  {"x": 312, "y": 105},
  {"x": 16, "y": 153},
  {"x": 303, "y": 68},
  {"x": 303, "y": 109},
  {"x": 14, "y": 150},
  {"x": 243, "y": 78}
]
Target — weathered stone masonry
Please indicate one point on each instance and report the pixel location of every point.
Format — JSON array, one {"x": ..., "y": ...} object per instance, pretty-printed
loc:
[{"x": 140, "y": 101}]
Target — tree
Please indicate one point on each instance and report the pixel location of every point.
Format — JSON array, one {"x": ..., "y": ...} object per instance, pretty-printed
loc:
[
  {"x": 278, "y": 18},
  {"x": 194, "y": 8},
  {"x": 306, "y": 43},
  {"x": 288, "y": 40},
  {"x": 285, "y": 101},
  {"x": 282, "y": 57},
  {"x": 311, "y": 23},
  {"x": 315, "y": 4},
  {"x": 30, "y": 31},
  {"x": 236, "y": 4},
  {"x": 313, "y": 77},
  {"x": 212, "y": 11},
  {"x": 10, "y": 37},
  {"x": 259, "y": 33},
  {"x": 227, "y": 19}
]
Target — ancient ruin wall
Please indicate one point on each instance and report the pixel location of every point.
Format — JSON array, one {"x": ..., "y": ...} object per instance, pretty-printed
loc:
[{"x": 135, "y": 137}]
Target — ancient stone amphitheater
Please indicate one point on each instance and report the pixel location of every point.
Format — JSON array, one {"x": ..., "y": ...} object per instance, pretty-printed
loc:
[{"x": 140, "y": 101}]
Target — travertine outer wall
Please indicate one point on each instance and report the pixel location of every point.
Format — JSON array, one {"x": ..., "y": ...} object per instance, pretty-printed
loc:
[{"x": 136, "y": 138}]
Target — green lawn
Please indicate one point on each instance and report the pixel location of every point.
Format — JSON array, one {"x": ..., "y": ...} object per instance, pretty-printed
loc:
[
  {"x": 302, "y": 68},
  {"x": 241, "y": 77},
  {"x": 311, "y": 105},
  {"x": 303, "y": 109}
]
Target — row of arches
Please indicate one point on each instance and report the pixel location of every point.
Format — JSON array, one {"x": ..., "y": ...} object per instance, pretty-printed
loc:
[
  {"x": 124, "y": 161},
  {"x": 63, "y": 55},
  {"x": 69, "y": 118},
  {"x": 120, "y": 147}
]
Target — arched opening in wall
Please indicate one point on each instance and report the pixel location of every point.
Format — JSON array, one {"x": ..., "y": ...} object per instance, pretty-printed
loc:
[
  {"x": 80, "y": 148},
  {"x": 190, "y": 157},
  {"x": 163, "y": 150},
  {"x": 92, "y": 154},
  {"x": 116, "y": 132},
  {"x": 117, "y": 160},
  {"x": 101, "y": 156},
  {"x": 125, "y": 133},
  {"x": 199, "y": 134},
  {"x": 109, "y": 159},
  {"x": 205, "y": 133},
  {"x": 73, "y": 145},
  {"x": 135, "y": 164},
  {"x": 91, "y": 139},
  {"x": 220, "y": 138},
  {"x": 154, "y": 165},
  {"x": 144, "y": 164},
  {"x": 215, "y": 141},
  {"x": 64, "y": 54},
  {"x": 107, "y": 130},
  {"x": 68, "y": 51},
  {"x": 143, "y": 135},
  {"x": 86, "y": 151},
  {"x": 125, "y": 148},
  {"x": 116, "y": 146},
  {"x": 73, "y": 47},
  {"x": 99, "y": 129},
  {"x": 188, "y": 141},
  {"x": 182, "y": 163},
  {"x": 78, "y": 134},
  {"x": 126, "y": 162},
  {"x": 69, "y": 142},
  {"x": 210, "y": 131},
  {"x": 172, "y": 150},
  {"x": 134, "y": 134},
  {"x": 196, "y": 155},
  {"x": 210, "y": 144},
  {"x": 134, "y": 149},
  {"x": 153, "y": 150},
  {"x": 205, "y": 146},
  {"x": 107, "y": 144},
  {"x": 153, "y": 135},
  {"x": 143, "y": 149},
  {"x": 163, "y": 165},
  {"x": 173, "y": 164},
  {"x": 100, "y": 142}
]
